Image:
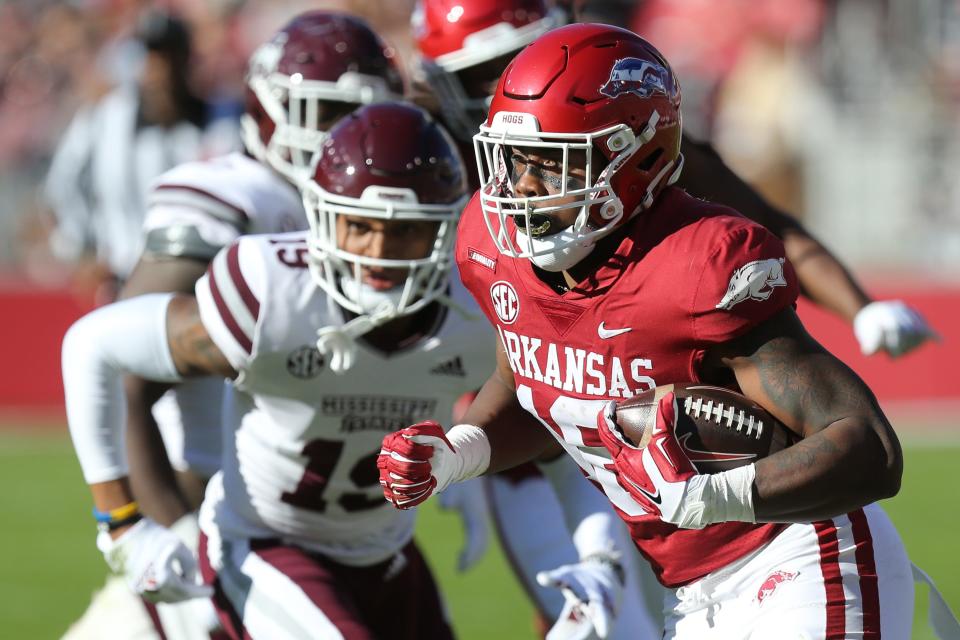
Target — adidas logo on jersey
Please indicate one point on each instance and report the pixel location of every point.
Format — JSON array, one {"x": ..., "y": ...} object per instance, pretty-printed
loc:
[{"x": 452, "y": 367}]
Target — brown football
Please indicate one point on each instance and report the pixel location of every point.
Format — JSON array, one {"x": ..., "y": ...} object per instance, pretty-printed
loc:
[{"x": 717, "y": 428}]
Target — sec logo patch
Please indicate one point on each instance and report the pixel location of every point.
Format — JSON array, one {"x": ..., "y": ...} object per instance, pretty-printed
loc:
[
  {"x": 506, "y": 304},
  {"x": 305, "y": 362}
]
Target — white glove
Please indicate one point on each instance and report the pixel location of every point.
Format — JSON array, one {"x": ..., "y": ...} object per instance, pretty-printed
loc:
[
  {"x": 592, "y": 589},
  {"x": 155, "y": 563},
  {"x": 187, "y": 528},
  {"x": 469, "y": 499},
  {"x": 892, "y": 326}
]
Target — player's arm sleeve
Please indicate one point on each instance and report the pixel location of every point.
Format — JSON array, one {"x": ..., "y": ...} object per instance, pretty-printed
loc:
[
  {"x": 124, "y": 337},
  {"x": 586, "y": 511},
  {"x": 188, "y": 221},
  {"x": 229, "y": 296},
  {"x": 746, "y": 280}
]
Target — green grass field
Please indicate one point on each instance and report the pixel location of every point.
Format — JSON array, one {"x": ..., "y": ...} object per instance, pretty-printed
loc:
[{"x": 49, "y": 564}]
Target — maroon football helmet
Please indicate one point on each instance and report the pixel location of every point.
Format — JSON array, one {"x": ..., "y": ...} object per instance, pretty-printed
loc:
[
  {"x": 455, "y": 36},
  {"x": 313, "y": 71},
  {"x": 388, "y": 161},
  {"x": 598, "y": 94}
]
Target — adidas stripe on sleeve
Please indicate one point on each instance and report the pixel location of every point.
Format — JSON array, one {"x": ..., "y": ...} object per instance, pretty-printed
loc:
[
  {"x": 230, "y": 304},
  {"x": 198, "y": 199}
]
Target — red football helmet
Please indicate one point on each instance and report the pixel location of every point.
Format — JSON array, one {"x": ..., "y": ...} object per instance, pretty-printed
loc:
[
  {"x": 456, "y": 35},
  {"x": 388, "y": 161},
  {"x": 598, "y": 91},
  {"x": 314, "y": 70}
]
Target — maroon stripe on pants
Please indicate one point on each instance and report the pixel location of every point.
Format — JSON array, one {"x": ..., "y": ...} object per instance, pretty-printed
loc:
[
  {"x": 318, "y": 583},
  {"x": 242, "y": 338},
  {"x": 154, "y": 618},
  {"x": 229, "y": 618},
  {"x": 395, "y": 599},
  {"x": 867, "y": 570},
  {"x": 832, "y": 580}
]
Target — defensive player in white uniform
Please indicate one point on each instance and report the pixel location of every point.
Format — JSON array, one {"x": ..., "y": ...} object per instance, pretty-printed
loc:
[
  {"x": 196, "y": 209},
  {"x": 299, "y": 542}
]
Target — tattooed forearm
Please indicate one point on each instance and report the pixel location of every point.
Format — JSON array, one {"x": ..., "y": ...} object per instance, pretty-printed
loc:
[
  {"x": 811, "y": 390},
  {"x": 849, "y": 455},
  {"x": 193, "y": 351},
  {"x": 834, "y": 471},
  {"x": 791, "y": 375},
  {"x": 806, "y": 454}
]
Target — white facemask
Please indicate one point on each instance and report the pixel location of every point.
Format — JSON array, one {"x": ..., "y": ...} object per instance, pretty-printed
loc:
[
  {"x": 369, "y": 299},
  {"x": 558, "y": 251}
]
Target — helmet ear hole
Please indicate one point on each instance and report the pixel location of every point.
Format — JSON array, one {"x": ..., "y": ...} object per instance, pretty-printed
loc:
[{"x": 650, "y": 160}]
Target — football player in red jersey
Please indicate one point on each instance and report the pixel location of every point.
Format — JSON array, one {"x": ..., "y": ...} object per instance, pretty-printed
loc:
[
  {"x": 462, "y": 48},
  {"x": 462, "y": 51},
  {"x": 603, "y": 280}
]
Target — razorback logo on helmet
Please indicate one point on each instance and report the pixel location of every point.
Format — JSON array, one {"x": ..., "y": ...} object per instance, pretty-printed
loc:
[
  {"x": 505, "y": 301},
  {"x": 640, "y": 77},
  {"x": 753, "y": 281}
]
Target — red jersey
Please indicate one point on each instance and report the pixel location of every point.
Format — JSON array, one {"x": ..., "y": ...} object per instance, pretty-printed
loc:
[{"x": 688, "y": 275}]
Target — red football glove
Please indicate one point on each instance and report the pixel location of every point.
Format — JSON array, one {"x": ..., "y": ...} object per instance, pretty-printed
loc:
[
  {"x": 406, "y": 462},
  {"x": 659, "y": 477}
]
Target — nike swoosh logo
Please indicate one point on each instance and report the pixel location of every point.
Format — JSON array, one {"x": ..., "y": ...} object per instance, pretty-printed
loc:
[
  {"x": 605, "y": 333},
  {"x": 653, "y": 497},
  {"x": 699, "y": 455}
]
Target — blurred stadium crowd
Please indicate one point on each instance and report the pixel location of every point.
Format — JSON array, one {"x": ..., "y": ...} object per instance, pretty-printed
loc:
[{"x": 844, "y": 111}]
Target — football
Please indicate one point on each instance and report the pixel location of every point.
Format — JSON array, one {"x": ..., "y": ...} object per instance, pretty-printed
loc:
[{"x": 717, "y": 428}]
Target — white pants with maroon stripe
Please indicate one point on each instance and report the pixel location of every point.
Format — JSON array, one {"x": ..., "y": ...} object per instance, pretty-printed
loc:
[{"x": 843, "y": 578}]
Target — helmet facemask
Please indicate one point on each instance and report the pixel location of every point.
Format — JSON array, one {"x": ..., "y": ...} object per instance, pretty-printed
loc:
[
  {"x": 302, "y": 110},
  {"x": 509, "y": 215},
  {"x": 342, "y": 273}
]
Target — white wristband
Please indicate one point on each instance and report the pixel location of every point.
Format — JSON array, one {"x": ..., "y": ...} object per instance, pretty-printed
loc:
[
  {"x": 728, "y": 496},
  {"x": 473, "y": 451}
]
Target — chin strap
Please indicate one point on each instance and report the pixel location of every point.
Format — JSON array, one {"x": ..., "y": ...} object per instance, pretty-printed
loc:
[
  {"x": 464, "y": 312},
  {"x": 340, "y": 342}
]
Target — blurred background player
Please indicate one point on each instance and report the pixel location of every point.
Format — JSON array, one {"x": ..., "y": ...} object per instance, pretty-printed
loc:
[
  {"x": 196, "y": 209},
  {"x": 101, "y": 173},
  {"x": 462, "y": 50},
  {"x": 298, "y": 540}
]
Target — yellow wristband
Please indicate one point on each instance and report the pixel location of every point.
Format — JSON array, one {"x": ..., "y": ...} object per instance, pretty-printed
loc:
[{"x": 120, "y": 513}]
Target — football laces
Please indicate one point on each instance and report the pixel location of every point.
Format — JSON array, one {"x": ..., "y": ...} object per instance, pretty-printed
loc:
[{"x": 700, "y": 408}]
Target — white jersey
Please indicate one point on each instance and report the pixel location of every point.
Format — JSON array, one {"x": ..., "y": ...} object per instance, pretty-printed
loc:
[
  {"x": 224, "y": 198},
  {"x": 195, "y": 209},
  {"x": 301, "y": 443}
]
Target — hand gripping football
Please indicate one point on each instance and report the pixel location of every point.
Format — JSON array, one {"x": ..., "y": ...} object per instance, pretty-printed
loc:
[{"x": 717, "y": 428}]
